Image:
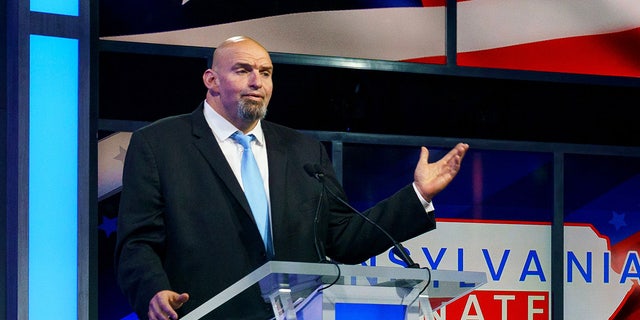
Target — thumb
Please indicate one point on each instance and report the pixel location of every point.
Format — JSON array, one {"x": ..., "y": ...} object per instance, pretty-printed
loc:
[
  {"x": 179, "y": 300},
  {"x": 424, "y": 154}
]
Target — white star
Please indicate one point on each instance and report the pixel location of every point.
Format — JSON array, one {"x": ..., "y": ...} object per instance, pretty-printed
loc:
[{"x": 120, "y": 156}]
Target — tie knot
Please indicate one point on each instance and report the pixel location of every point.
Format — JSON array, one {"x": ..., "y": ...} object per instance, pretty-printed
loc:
[{"x": 242, "y": 139}]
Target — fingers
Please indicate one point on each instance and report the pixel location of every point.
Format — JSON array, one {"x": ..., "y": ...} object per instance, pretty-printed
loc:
[
  {"x": 459, "y": 150},
  {"x": 179, "y": 300},
  {"x": 462, "y": 148},
  {"x": 454, "y": 157},
  {"x": 431, "y": 178},
  {"x": 163, "y": 304}
]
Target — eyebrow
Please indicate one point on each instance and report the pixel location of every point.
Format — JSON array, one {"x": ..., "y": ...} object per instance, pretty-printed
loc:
[{"x": 250, "y": 66}]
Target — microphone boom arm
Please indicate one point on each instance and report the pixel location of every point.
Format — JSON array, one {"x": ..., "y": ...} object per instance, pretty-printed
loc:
[{"x": 315, "y": 171}]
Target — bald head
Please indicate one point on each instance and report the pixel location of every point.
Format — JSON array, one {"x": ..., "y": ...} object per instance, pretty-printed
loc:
[{"x": 235, "y": 43}]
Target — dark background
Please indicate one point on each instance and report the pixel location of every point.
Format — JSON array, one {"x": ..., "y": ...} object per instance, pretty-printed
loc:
[{"x": 147, "y": 87}]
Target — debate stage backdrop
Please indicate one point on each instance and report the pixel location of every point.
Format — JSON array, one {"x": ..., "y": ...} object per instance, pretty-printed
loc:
[{"x": 496, "y": 217}]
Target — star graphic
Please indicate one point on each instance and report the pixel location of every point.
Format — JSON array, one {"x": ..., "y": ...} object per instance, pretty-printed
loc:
[
  {"x": 108, "y": 225},
  {"x": 121, "y": 154},
  {"x": 617, "y": 220}
]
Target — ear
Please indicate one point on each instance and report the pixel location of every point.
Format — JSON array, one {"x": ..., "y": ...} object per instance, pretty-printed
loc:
[{"x": 210, "y": 79}]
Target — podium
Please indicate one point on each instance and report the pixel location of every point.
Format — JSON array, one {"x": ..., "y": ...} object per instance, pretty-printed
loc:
[{"x": 310, "y": 291}]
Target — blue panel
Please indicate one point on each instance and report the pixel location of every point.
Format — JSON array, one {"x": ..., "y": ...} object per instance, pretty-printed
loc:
[
  {"x": 357, "y": 311},
  {"x": 64, "y": 7},
  {"x": 611, "y": 205},
  {"x": 53, "y": 178},
  {"x": 521, "y": 181}
]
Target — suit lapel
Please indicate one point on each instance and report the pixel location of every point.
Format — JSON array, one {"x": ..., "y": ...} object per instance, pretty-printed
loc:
[{"x": 206, "y": 143}]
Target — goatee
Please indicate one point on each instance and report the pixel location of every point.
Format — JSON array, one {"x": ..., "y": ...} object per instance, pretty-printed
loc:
[{"x": 251, "y": 110}]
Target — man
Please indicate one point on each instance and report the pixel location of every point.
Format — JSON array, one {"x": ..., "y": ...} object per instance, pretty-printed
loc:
[{"x": 185, "y": 228}]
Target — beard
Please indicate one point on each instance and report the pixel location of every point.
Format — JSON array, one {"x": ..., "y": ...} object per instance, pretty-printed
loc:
[{"x": 251, "y": 110}]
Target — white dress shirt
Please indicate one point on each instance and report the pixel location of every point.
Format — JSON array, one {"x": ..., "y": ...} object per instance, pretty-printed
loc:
[{"x": 223, "y": 129}]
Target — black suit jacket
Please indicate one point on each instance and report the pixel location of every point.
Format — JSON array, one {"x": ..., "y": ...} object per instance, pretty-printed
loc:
[{"x": 184, "y": 223}]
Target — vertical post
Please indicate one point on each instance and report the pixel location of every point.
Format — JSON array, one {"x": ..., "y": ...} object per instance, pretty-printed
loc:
[
  {"x": 451, "y": 33},
  {"x": 48, "y": 159},
  {"x": 557, "y": 238}
]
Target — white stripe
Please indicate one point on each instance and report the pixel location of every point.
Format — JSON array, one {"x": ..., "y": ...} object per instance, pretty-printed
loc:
[
  {"x": 392, "y": 34},
  {"x": 405, "y": 33},
  {"x": 486, "y": 24}
]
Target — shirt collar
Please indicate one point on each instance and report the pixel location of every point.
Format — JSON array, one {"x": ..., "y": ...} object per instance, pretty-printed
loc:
[{"x": 223, "y": 129}]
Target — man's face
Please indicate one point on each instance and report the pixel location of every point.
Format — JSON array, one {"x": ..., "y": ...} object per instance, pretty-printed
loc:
[{"x": 245, "y": 81}]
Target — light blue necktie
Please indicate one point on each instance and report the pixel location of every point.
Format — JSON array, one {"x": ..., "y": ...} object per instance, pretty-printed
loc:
[{"x": 254, "y": 187}]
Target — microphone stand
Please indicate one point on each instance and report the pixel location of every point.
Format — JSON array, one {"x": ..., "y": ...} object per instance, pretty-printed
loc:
[{"x": 315, "y": 171}]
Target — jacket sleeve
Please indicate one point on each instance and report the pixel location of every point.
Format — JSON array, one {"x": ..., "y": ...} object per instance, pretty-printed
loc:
[
  {"x": 353, "y": 239},
  {"x": 140, "y": 238}
]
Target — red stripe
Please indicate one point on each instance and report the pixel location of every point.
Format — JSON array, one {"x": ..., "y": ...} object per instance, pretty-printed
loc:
[
  {"x": 611, "y": 54},
  {"x": 437, "y": 3}
]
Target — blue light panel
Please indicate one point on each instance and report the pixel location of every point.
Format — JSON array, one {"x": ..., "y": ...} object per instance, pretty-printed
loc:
[
  {"x": 64, "y": 7},
  {"x": 357, "y": 311},
  {"x": 53, "y": 178}
]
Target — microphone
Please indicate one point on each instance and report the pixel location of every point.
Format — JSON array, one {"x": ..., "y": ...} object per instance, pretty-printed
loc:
[{"x": 315, "y": 171}]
